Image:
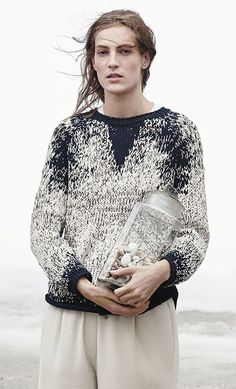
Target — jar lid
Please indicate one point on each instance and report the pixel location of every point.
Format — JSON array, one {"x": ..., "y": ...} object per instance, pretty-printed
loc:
[{"x": 166, "y": 199}]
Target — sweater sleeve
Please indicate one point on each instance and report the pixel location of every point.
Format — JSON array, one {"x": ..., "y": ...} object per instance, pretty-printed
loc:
[
  {"x": 190, "y": 245},
  {"x": 53, "y": 252}
]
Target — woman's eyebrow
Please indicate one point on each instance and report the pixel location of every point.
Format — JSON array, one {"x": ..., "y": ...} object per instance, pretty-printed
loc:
[{"x": 124, "y": 44}]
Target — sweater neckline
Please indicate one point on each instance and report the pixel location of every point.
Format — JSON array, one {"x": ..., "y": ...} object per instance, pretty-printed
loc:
[{"x": 131, "y": 120}]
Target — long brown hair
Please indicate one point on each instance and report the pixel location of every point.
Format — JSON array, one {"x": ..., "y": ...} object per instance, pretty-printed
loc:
[{"x": 90, "y": 90}]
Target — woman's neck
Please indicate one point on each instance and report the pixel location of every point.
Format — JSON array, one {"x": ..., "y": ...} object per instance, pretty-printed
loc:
[
  {"x": 124, "y": 109},
  {"x": 155, "y": 107}
]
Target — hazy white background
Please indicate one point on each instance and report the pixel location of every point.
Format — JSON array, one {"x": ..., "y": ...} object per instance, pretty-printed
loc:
[{"x": 193, "y": 73}]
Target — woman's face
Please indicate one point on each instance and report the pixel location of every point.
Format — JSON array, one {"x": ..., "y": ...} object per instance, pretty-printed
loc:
[{"x": 116, "y": 51}]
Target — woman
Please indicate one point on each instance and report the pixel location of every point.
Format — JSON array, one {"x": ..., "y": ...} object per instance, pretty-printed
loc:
[{"x": 99, "y": 163}]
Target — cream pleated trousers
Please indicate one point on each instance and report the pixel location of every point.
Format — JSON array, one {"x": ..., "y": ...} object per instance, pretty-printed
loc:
[{"x": 84, "y": 350}]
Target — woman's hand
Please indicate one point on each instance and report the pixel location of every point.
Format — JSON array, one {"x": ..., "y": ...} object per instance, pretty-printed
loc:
[
  {"x": 145, "y": 280},
  {"x": 107, "y": 299}
]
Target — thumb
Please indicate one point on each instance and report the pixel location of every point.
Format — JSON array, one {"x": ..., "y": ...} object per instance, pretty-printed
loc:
[{"x": 123, "y": 272}]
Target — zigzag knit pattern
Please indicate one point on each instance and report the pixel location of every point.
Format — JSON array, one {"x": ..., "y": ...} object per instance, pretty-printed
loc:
[{"x": 97, "y": 167}]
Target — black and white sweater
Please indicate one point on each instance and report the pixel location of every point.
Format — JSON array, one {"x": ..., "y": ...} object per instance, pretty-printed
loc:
[{"x": 96, "y": 169}]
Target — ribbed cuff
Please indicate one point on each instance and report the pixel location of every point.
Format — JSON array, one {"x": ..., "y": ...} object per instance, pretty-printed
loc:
[
  {"x": 73, "y": 276},
  {"x": 170, "y": 257}
]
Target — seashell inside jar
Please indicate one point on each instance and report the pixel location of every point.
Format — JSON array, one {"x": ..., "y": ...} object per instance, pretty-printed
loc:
[
  {"x": 127, "y": 254},
  {"x": 149, "y": 231}
]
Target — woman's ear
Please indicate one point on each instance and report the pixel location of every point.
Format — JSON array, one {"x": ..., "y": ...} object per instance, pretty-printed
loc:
[{"x": 146, "y": 60}]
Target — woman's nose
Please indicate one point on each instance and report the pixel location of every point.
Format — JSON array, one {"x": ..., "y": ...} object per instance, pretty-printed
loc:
[{"x": 113, "y": 61}]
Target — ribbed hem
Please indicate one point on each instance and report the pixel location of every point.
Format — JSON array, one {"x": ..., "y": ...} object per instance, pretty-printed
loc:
[
  {"x": 159, "y": 296},
  {"x": 86, "y": 307}
]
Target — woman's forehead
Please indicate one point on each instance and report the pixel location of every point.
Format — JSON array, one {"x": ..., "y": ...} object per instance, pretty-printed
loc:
[{"x": 115, "y": 36}]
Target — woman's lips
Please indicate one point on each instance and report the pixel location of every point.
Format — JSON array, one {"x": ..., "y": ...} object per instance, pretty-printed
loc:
[{"x": 114, "y": 78}]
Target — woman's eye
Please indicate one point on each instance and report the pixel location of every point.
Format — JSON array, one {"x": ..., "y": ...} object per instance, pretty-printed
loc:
[{"x": 125, "y": 51}]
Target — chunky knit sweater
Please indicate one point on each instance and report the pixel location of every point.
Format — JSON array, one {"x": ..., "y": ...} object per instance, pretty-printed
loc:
[{"x": 97, "y": 167}]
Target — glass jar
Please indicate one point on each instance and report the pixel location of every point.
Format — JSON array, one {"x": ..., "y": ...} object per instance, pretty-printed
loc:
[{"x": 149, "y": 230}]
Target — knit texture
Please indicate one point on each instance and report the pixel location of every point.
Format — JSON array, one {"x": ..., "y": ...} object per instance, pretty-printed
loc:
[{"x": 96, "y": 169}]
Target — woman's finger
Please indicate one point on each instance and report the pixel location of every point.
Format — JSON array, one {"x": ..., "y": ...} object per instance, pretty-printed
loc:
[{"x": 130, "y": 311}]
